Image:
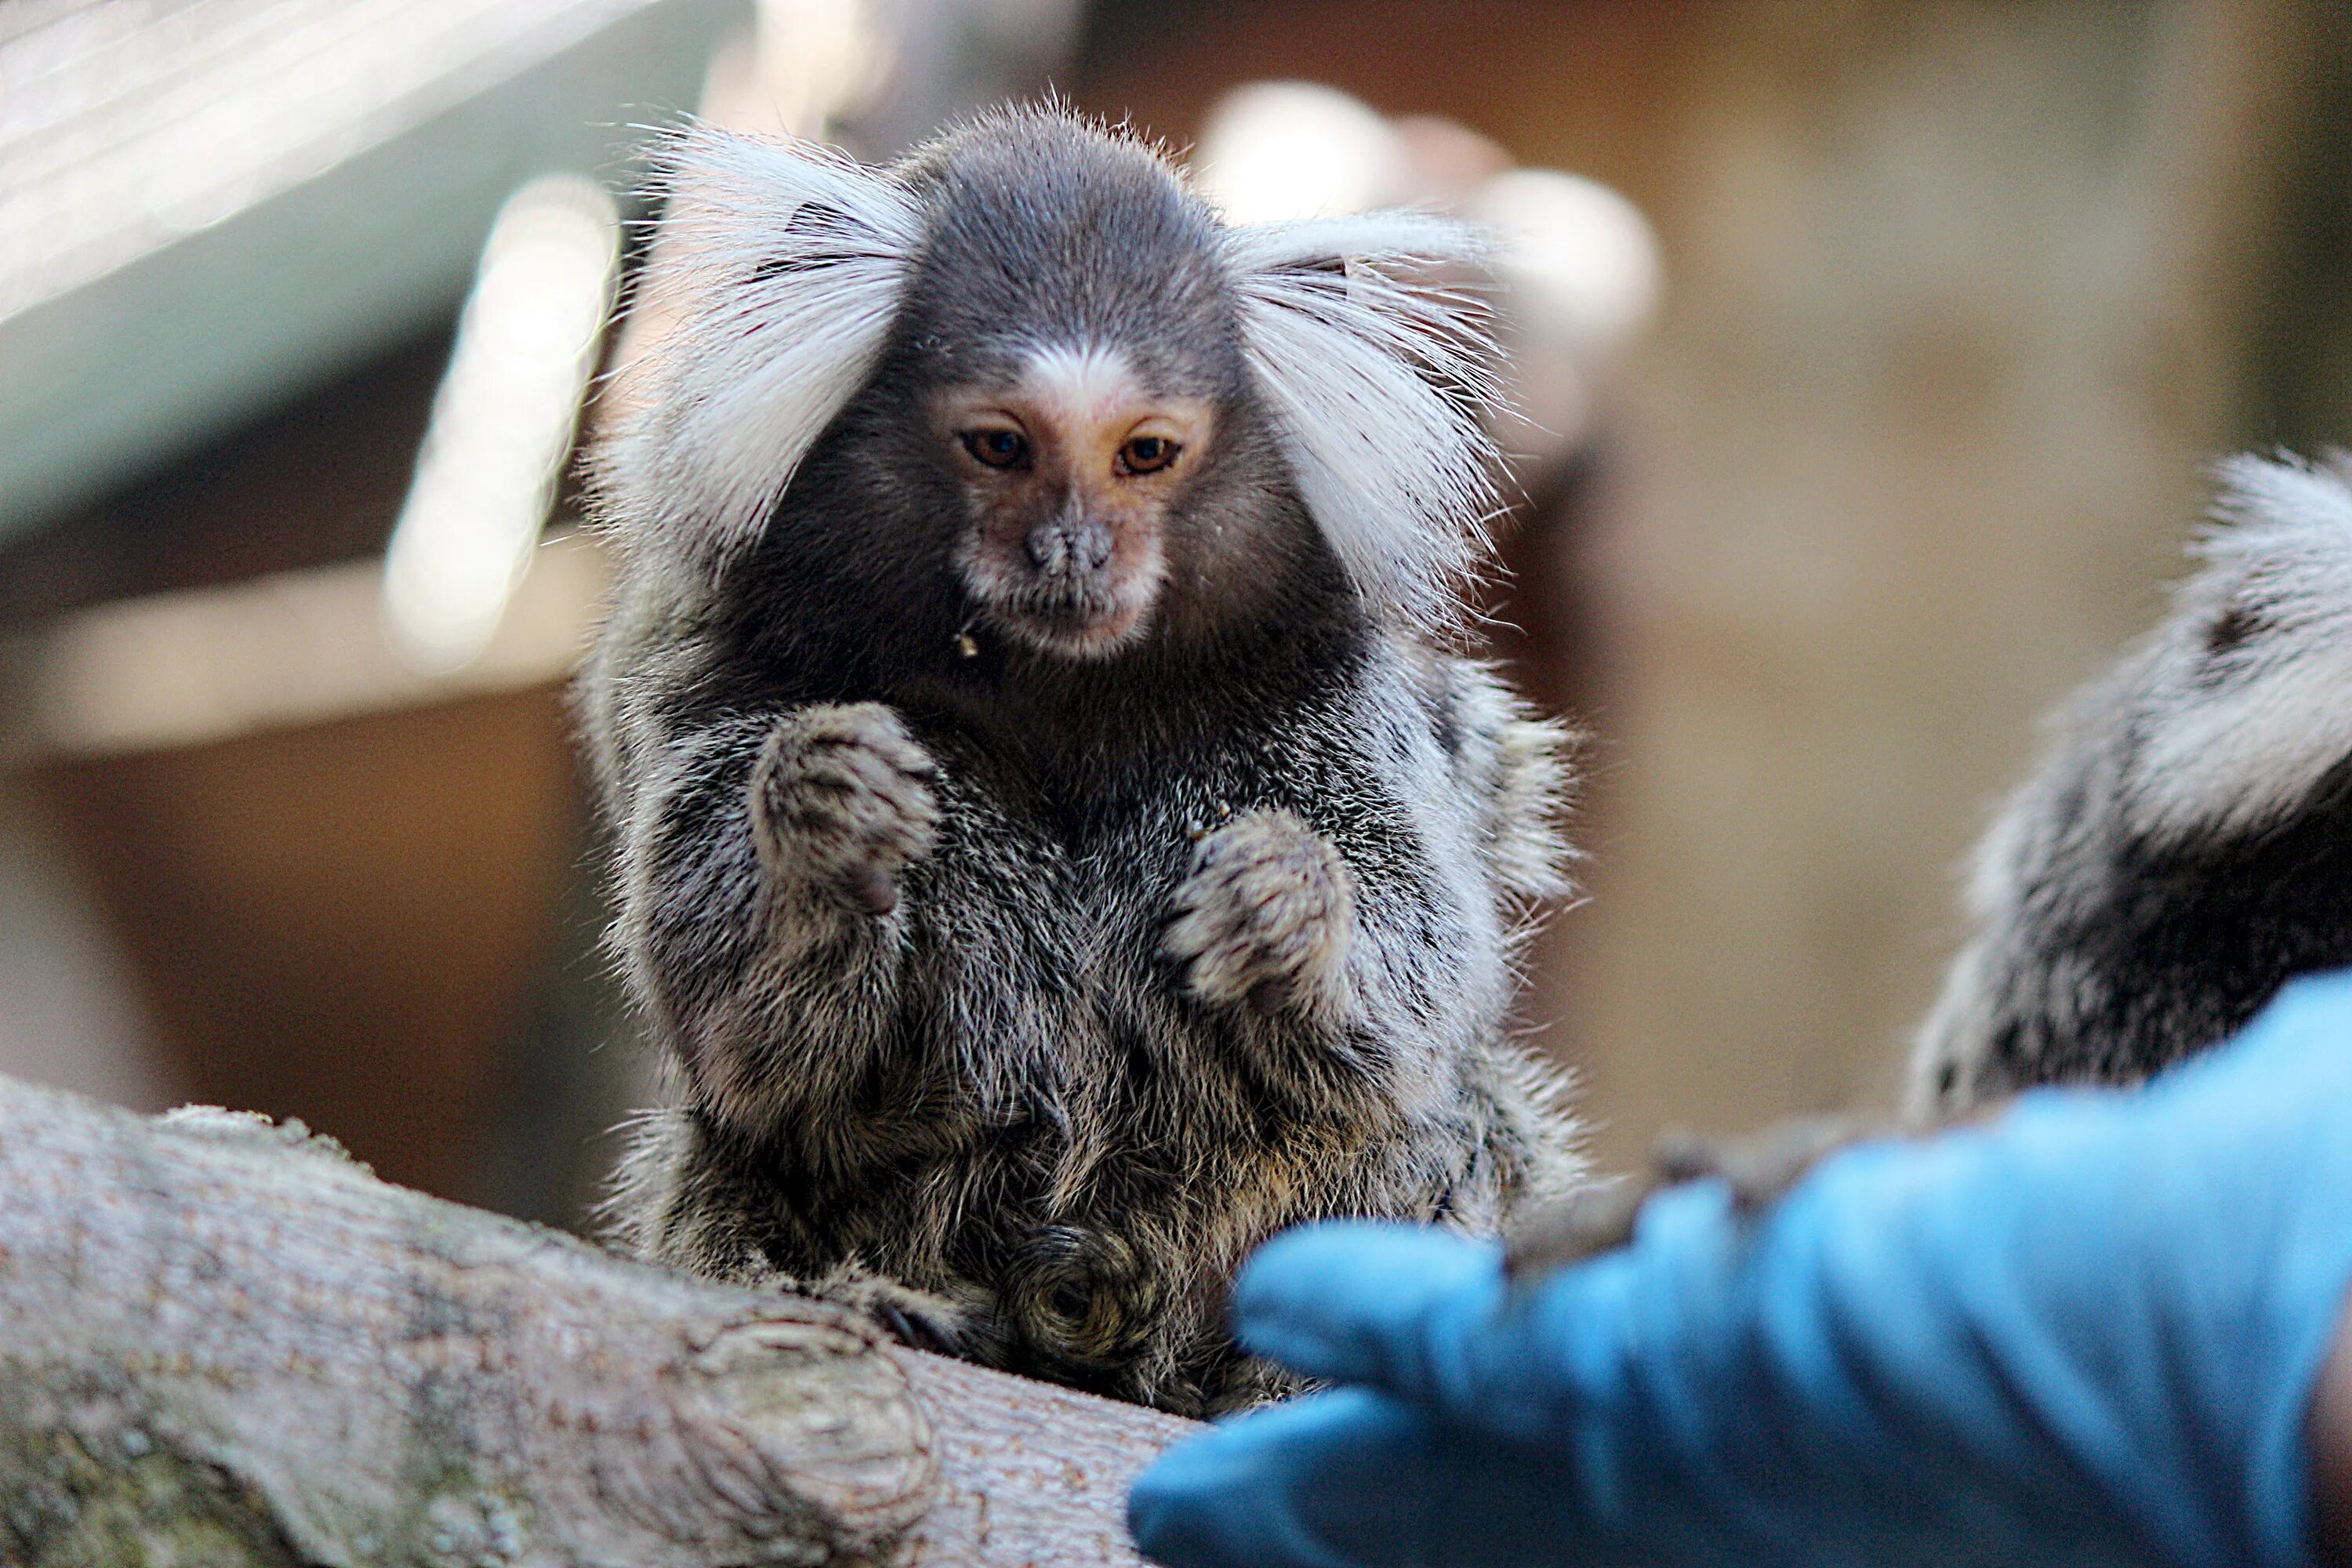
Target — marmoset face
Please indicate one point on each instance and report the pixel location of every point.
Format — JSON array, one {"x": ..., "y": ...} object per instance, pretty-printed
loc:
[{"x": 1069, "y": 470}]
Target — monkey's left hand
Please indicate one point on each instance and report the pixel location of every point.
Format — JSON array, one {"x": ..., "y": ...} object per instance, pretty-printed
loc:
[{"x": 1266, "y": 917}]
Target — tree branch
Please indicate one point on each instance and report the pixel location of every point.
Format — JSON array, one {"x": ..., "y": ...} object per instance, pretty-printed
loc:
[{"x": 222, "y": 1342}]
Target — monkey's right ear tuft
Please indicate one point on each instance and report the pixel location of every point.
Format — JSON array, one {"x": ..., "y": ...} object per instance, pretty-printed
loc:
[{"x": 776, "y": 270}]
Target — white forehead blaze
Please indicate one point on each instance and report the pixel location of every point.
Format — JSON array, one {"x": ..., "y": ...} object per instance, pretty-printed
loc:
[{"x": 1081, "y": 386}]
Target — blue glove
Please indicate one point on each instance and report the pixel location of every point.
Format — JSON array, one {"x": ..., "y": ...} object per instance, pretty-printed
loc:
[{"x": 2085, "y": 1333}]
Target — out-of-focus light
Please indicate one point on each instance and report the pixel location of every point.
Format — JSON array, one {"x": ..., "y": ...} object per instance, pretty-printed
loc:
[
  {"x": 195, "y": 666},
  {"x": 1280, "y": 150},
  {"x": 1583, "y": 256},
  {"x": 813, "y": 56},
  {"x": 1580, "y": 276},
  {"x": 804, "y": 65},
  {"x": 502, "y": 422}
]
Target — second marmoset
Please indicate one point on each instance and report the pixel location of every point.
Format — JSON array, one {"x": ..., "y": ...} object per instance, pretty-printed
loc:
[{"x": 1054, "y": 850}]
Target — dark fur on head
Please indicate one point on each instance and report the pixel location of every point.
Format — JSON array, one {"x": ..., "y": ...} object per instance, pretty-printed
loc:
[
  {"x": 1023, "y": 963},
  {"x": 1043, "y": 234},
  {"x": 2185, "y": 848}
]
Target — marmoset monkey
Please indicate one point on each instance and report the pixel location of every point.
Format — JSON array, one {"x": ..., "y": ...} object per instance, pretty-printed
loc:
[
  {"x": 1054, "y": 851},
  {"x": 2184, "y": 850},
  {"x": 2186, "y": 847}
]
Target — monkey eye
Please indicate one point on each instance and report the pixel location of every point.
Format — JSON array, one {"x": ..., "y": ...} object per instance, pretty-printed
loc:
[
  {"x": 995, "y": 449},
  {"x": 1147, "y": 454}
]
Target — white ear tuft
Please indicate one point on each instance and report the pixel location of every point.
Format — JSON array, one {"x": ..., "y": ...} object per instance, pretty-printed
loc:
[
  {"x": 1378, "y": 378},
  {"x": 777, "y": 268},
  {"x": 2247, "y": 699}
]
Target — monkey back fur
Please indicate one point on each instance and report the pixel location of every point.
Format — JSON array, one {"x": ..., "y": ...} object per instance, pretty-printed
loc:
[
  {"x": 1017, "y": 997},
  {"x": 2186, "y": 845},
  {"x": 2183, "y": 851}
]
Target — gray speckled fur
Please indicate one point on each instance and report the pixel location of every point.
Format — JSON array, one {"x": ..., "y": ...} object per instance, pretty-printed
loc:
[
  {"x": 1150, "y": 957},
  {"x": 2186, "y": 847}
]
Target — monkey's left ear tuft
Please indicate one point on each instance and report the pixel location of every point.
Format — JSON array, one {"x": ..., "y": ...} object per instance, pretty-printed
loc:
[
  {"x": 777, "y": 269},
  {"x": 1378, "y": 376}
]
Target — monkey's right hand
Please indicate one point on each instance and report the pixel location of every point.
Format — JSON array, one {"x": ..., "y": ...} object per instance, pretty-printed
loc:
[{"x": 842, "y": 800}]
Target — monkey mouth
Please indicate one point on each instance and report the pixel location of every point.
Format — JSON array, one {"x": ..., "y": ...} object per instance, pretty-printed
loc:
[
  {"x": 1075, "y": 616},
  {"x": 1081, "y": 626}
]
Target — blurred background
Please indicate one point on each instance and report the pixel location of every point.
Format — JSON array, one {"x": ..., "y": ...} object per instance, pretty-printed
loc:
[{"x": 1871, "y": 354}]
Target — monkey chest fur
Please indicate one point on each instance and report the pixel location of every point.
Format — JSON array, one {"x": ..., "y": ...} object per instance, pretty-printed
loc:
[{"x": 1059, "y": 1122}]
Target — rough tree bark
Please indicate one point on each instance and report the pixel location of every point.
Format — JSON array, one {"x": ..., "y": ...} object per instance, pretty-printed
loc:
[{"x": 224, "y": 1342}]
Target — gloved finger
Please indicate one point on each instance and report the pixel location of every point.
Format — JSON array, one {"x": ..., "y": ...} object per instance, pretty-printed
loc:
[
  {"x": 1354, "y": 1302},
  {"x": 1428, "y": 1318},
  {"x": 1352, "y": 1479}
]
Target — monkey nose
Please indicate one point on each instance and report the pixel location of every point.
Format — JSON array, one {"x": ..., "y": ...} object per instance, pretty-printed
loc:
[
  {"x": 1060, "y": 546},
  {"x": 1048, "y": 546}
]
